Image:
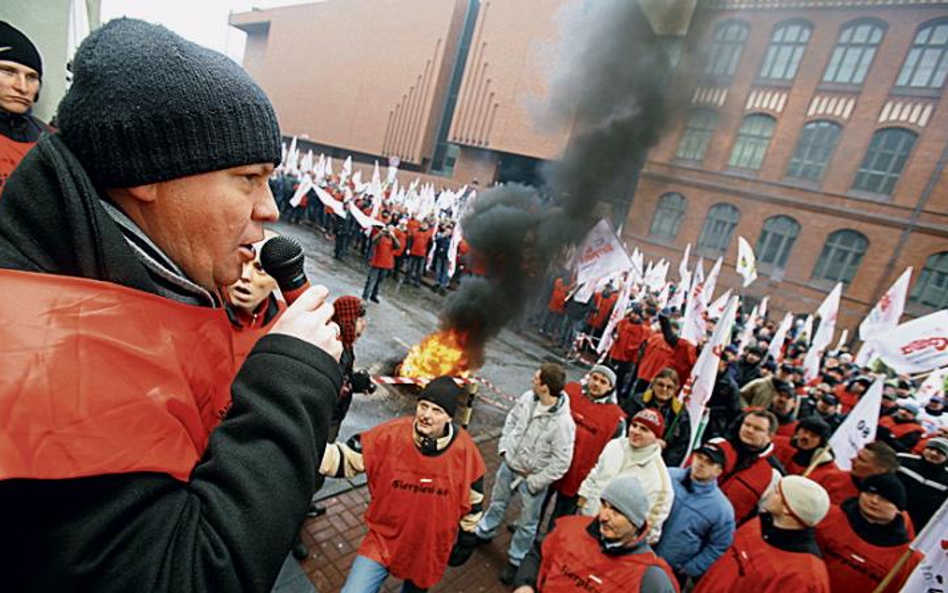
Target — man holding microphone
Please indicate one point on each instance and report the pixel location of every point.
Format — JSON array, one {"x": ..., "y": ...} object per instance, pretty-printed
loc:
[{"x": 133, "y": 455}]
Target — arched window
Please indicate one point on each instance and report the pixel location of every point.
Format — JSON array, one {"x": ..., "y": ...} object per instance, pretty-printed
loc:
[
  {"x": 752, "y": 141},
  {"x": 884, "y": 160},
  {"x": 926, "y": 64},
  {"x": 854, "y": 51},
  {"x": 841, "y": 256},
  {"x": 931, "y": 288},
  {"x": 718, "y": 227},
  {"x": 814, "y": 149},
  {"x": 776, "y": 240},
  {"x": 697, "y": 135},
  {"x": 668, "y": 214},
  {"x": 786, "y": 50},
  {"x": 725, "y": 50}
]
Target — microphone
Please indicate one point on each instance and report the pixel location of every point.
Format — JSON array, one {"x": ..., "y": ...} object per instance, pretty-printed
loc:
[{"x": 282, "y": 258}]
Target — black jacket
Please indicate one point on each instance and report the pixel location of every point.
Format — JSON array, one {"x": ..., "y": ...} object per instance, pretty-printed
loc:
[
  {"x": 677, "y": 433},
  {"x": 926, "y": 485},
  {"x": 229, "y": 527}
]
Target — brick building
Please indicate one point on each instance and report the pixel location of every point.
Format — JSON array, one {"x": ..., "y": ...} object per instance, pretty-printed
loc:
[{"x": 816, "y": 129}]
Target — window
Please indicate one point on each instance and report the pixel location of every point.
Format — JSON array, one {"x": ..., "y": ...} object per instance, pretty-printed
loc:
[
  {"x": 931, "y": 289},
  {"x": 694, "y": 141},
  {"x": 814, "y": 149},
  {"x": 785, "y": 51},
  {"x": 884, "y": 160},
  {"x": 752, "y": 141},
  {"x": 776, "y": 240},
  {"x": 926, "y": 64},
  {"x": 725, "y": 50},
  {"x": 668, "y": 215},
  {"x": 841, "y": 256},
  {"x": 854, "y": 51},
  {"x": 718, "y": 227}
]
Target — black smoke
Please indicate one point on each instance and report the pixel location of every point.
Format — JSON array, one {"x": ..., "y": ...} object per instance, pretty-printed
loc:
[{"x": 615, "y": 98}]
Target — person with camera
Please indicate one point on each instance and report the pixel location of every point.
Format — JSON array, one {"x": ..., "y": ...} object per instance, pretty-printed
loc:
[{"x": 384, "y": 247}]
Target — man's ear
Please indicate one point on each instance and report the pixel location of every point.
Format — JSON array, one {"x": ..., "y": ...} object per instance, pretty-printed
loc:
[{"x": 142, "y": 193}]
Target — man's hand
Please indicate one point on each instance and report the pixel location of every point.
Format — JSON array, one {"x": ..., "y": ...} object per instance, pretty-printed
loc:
[{"x": 308, "y": 319}]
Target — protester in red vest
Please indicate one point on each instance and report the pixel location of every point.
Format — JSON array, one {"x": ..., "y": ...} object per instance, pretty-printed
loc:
[
  {"x": 426, "y": 477},
  {"x": 555, "y": 318},
  {"x": 598, "y": 420},
  {"x": 420, "y": 241},
  {"x": 849, "y": 393},
  {"x": 21, "y": 73},
  {"x": 784, "y": 407},
  {"x": 873, "y": 459},
  {"x": 629, "y": 335},
  {"x": 608, "y": 554},
  {"x": 777, "y": 551},
  {"x": 401, "y": 254},
  {"x": 863, "y": 539},
  {"x": 603, "y": 302},
  {"x": 756, "y": 469},
  {"x": 177, "y": 472},
  {"x": 251, "y": 303},
  {"x": 665, "y": 349},
  {"x": 901, "y": 430},
  {"x": 385, "y": 246},
  {"x": 807, "y": 447}
]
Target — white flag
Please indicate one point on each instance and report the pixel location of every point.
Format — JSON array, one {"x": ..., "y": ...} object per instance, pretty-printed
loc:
[
  {"x": 678, "y": 299},
  {"x": 618, "y": 312},
  {"x": 931, "y": 574},
  {"x": 683, "y": 264},
  {"x": 762, "y": 306},
  {"x": 662, "y": 299},
  {"x": 859, "y": 428},
  {"x": 711, "y": 281},
  {"x": 747, "y": 332},
  {"x": 885, "y": 315},
  {"x": 335, "y": 205},
  {"x": 362, "y": 218},
  {"x": 693, "y": 326},
  {"x": 933, "y": 385},
  {"x": 697, "y": 389},
  {"x": 776, "y": 344},
  {"x": 655, "y": 279},
  {"x": 306, "y": 184},
  {"x": 916, "y": 346},
  {"x": 638, "y": 266},
  {"x": 717, "y": 308},
  {"x": 600, "y": 255},
  {"x": 746, "y": 262},
  {"x": 828, "y": 311},
  {"x": 843, "y": 337}
]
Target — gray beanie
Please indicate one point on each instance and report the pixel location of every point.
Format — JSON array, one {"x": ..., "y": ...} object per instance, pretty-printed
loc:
[
  {"x": 605, "y": 372},
  {"x": 147, "y": 105},
  {"x": 627, "y": 496},
  {"x": 938, "y": 444}
]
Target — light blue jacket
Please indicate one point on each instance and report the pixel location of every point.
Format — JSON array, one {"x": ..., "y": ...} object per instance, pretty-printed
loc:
[{"x": 700, "y": 527}]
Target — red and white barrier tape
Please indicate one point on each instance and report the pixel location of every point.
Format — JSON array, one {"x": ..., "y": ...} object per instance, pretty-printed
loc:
[{"x": 385, "y": 380}]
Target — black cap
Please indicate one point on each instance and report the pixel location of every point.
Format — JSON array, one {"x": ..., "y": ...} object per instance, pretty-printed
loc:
[
  {"x": 769, "y": 365},
  {"x": 784, "y": 386},
  {"x": 444, "y": 392},
  {"x": 830, "y": 399},
  {"x": 788, "y": 367},
  {"x": 888, "y": 486},
  {"x": 715, "y": 453},
  {"x": 17, "y": 47},
  {"x": 816, "y": 425}
]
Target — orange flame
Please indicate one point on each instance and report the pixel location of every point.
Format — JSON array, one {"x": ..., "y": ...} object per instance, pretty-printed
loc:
[{"x": 440, "y": 353}]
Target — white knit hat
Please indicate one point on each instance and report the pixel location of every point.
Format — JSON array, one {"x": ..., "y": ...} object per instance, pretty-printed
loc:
[{"x": 807, "y": 501}]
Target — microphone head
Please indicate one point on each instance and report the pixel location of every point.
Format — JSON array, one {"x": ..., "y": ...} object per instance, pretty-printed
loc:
[{"x": 282, "y": 258}]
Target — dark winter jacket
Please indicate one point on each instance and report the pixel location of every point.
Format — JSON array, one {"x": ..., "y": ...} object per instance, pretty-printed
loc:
[{"x": 228, "y": 527}]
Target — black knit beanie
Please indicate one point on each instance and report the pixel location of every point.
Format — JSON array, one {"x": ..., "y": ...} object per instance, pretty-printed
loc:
[
  {"x": 146, "y": 105},
  {"x": 17, "y": 47},
  {"x": 444, "y": 392}
]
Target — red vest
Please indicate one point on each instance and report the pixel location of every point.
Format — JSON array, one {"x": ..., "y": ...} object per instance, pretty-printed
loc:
[
  {"x": 751, "y": 564},
  {"x": 573, "y": 561},
  {"x": 854, "y": 564},
  {"x": 402, "y": 237},
  {"x": 597, "y": 319},
  {"x": 839, "y": 485},
  {"x": 787, "y": 430},
  {"x": 11, "y": 153},
  {"x": 383, "y": 254},
  {"x": 420, "y": 241},
  {"x": 103, "y": 379},
  {"x": 595, "y": 426},
  {"x": 900, "y": 429},
  {"x": 745, "y": 487},
  {"x": 247, "y": 335},
  {"x": 846, "y": 399},
  {"x": 557, "y": 302},
  {"x": 658, "y": 355},
  {"x": 417, "y": 500},
  {"x": 784, "y": 452},
  {"x": 629, "y": 336}
]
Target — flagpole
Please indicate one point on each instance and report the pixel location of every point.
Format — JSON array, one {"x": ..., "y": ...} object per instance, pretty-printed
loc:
[
  {"x": 894, "y": 570},
  {"x": 815, "y": 460}
]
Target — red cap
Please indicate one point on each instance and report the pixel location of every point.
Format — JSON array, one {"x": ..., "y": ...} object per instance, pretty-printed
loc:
[{"x": 652, "y": 419}]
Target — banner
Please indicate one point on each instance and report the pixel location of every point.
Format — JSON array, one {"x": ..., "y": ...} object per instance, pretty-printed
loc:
[
  {"x": 335, "y": 205},
  {"x": 600, "y": 255},
  {"x": 885, "y": 315},
  {"x": 859, "y": 428},
  {"x": 717, "y": 308},
  {"x": 931, "y": 575},
  {"x": 776, "y": 344},
  {"x": 697, "y": 389},
  {"x": 746, "y": 264},
  {"x": 362, "y": 219},
  {"x": 306, "y": 184},
  {"x": 618, "y": 312},
  {"x": 917, "y": 346}
]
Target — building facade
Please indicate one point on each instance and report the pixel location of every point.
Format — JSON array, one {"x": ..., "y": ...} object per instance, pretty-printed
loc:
[{"x": 815, "y": 129}]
